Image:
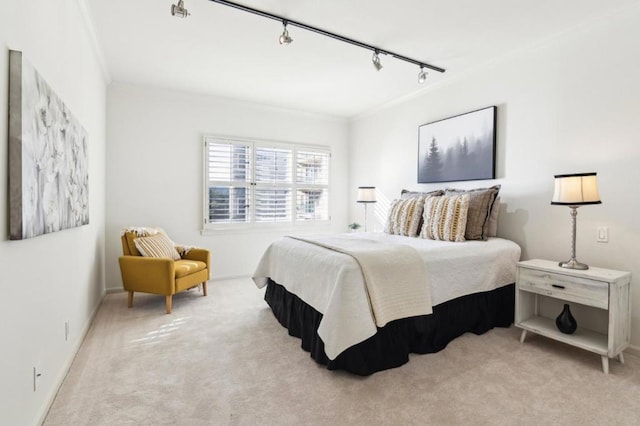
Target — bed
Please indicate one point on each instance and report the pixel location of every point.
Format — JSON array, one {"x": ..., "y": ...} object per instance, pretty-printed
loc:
[{"x": 320, "y": 295}]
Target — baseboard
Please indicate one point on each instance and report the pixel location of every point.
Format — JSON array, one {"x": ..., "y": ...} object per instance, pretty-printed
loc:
[
  {"x": 113, "y": 290},
  {"x": 230, "y": 277},
  {"x": 65, "y": 371},
  {"x": 633, "y": 350}
]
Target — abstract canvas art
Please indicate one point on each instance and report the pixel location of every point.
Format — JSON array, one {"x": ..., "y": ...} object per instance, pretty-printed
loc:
[
  {"x": 48, "y": 159},
  {"x": 458, "y": 148}
]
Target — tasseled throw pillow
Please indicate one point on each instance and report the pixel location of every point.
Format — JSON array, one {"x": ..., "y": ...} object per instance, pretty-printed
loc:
[
  {"x": 405, "y": 217},
  {"x": 445, "y": 217}
]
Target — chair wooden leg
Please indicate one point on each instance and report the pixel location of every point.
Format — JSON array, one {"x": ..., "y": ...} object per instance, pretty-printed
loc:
[
  {"x": 168, "y": 302},
  {"x": 204, "y": 288},
  {"x": 130, "y": 302}
]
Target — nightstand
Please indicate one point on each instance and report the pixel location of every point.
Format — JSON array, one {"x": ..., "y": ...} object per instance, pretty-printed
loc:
[{"x": 592, "y": 290}]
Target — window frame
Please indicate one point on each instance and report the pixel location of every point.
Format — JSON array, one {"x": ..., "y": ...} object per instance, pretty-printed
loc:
[{"x": 294, "y": 186}]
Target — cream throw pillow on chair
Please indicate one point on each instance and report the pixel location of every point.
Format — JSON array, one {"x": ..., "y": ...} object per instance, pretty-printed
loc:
[{"x": 158, "y": 245}]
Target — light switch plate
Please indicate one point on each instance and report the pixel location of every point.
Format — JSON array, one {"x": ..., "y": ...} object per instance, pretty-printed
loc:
[{"x": 602, "y": 234}]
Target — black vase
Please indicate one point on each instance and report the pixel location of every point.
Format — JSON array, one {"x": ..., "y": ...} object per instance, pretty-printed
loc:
[{"x": 565, "y": 322}]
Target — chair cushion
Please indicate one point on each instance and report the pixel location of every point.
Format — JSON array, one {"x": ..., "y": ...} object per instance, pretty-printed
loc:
[
  {"x": 158, "y": 245},
  {"x": 187, "y": 267}
]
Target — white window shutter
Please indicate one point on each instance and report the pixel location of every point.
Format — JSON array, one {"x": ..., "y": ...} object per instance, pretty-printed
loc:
[{"x": 253, "y": 182}]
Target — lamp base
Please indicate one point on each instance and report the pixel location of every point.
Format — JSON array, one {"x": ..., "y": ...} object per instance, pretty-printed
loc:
[{"x": 573, "y": 264}]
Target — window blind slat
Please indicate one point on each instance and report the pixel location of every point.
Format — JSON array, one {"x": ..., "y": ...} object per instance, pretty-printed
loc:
[
  {"x": 273, "y": 165},
  {"x": 228, "y": 204},
  {"x": 272, "y": 205},
  {"x": 229, "y": 162}
]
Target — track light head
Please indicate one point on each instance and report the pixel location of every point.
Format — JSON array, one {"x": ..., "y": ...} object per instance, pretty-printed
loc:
[
  {"x": 179, "y": 10},
  {"x": 376, "y": 61},
  {"x": 284, "y": 37},
  {"x": 422, "y": 75}
]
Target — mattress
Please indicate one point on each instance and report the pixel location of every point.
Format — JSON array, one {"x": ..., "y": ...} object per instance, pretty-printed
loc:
[{"x": 332, "y": 282}]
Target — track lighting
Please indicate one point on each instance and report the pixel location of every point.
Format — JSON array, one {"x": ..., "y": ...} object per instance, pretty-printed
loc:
[
  {"x": 376, "y": 60},
  {"x": 422, "y": 75},
  {"x": 179, "y": 10},
  {"x": 284, "y": 37}
]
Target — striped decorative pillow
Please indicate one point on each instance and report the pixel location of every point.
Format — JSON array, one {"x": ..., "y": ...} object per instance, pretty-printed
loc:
[
  {"x": 480, "y": 204},
  {"x": 405, "y": 216},
  {"x": 158, "y": 245},
  {"x": 445, "y": 217}
]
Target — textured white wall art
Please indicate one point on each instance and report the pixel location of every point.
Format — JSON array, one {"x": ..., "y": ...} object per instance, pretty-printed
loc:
[{"x": 48, "y": 162}]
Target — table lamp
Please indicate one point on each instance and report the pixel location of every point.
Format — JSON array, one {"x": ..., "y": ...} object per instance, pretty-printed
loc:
[
  {"x": 573, "y": 191},
  {"x": 366, "y": 195}
]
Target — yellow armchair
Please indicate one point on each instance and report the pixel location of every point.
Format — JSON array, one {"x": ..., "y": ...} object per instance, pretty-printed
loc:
[{"x": 161, "y": 275}]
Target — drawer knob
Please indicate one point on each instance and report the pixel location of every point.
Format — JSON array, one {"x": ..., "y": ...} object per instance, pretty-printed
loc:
[{"x": 557, "y": 286}]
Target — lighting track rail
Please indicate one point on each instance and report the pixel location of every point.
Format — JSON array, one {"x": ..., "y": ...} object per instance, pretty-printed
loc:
[{"x": 290, "y": 22}]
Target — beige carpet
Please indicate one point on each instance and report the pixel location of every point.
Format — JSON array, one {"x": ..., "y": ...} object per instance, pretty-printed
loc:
[{"x": 224, "y": 359}]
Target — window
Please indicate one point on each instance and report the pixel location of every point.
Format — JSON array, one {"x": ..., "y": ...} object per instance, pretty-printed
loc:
[{"x": 252, "y": 182}]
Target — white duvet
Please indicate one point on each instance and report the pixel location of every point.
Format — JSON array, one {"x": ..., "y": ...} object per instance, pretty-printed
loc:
[{"x": 332, "y": 282}]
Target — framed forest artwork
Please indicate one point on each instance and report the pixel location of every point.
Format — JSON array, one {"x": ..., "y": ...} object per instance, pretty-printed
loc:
[
  {"x": 458, "y": 148},
  {"x": 48, "y": 157}
]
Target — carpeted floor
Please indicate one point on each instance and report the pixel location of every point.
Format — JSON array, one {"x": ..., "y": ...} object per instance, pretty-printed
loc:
[{"x": 224, "y": 359}]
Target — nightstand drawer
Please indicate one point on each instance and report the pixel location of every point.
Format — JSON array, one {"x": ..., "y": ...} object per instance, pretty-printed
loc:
[{"x": 573, "y": 289}]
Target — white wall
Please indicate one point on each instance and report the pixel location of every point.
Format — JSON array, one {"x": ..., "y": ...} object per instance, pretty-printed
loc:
[
  {"x": 53, "y": 278},
  {"x": 570, "y": 105},
  {"x": 155, "y": 168}
]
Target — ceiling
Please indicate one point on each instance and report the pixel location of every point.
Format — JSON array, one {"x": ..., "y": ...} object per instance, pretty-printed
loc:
[{"x": 226, "y": 52}]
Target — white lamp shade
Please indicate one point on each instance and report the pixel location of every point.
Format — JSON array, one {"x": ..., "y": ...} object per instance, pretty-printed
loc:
[
  {"x": 576, "y": 189},
  {"x": 366, "y": 194}
]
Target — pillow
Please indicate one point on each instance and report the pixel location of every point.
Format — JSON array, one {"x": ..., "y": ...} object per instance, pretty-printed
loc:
[
  {"x": 158, "y": 245},
  {"x": 493, "y": 218},
  {"x": 130, "y": 239},
  {"x": 132, "y": 232},
  {"x": 480, "y": 203},
  {"x": 405, "y": 216},
  {"x": 405, "y": 193},
  {"x": 445, "y": 217}
]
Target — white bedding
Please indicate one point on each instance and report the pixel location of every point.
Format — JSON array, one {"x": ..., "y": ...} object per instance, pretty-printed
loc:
[
  {"x": 394, "y": 274},
  {"x": 332, "y": 282}
]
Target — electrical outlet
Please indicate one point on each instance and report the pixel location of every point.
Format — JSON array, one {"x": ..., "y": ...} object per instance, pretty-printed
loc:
[
  {"x": 66, "y": 330},
  {"x": 37, "y": 376},
  {"x": 602, "y": 234}
]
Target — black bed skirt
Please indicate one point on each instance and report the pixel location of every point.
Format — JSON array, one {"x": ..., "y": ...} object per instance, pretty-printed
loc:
[{"x": 391, "y": 345}]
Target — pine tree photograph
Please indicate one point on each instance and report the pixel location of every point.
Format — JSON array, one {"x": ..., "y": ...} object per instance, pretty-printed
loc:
[{"x": 458, "y": 148}]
